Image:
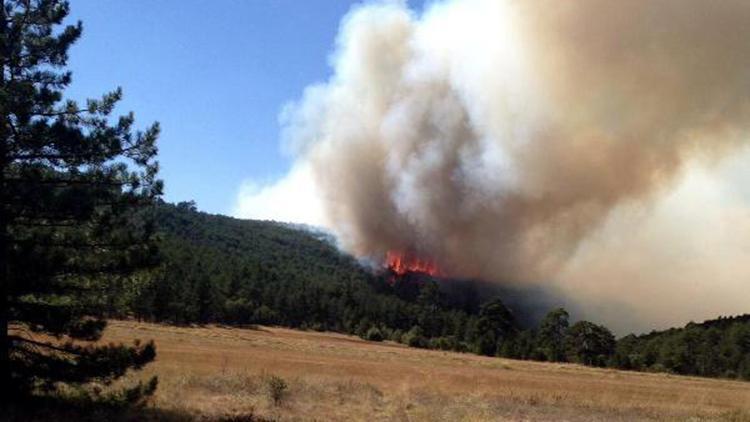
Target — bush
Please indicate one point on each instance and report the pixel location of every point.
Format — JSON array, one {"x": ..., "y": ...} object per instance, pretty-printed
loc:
[
  {"x": 238, "y": 311},
  {"x": 657, "y": 367},
  {"x": 414, "y": 338},
  {"x": 362, "y": 328},
  {"x": 276, "y": 389},
  {"x": 744, "y": 369},
  {"x": 443, "y": 343},
  {"x": 374, "y": 334},
  {"x": 397, "y": 336},
  {"x": 462, "y": 347},
  {"x": 265, "y": 315},
  {"x": 417, "y": 341},
  {"x": 386, "y": 332}
]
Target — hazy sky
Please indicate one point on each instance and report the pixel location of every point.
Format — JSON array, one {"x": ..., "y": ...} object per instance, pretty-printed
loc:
[
  {"x": 593, "y": 147},
  {"x": 215, "y": 74}
]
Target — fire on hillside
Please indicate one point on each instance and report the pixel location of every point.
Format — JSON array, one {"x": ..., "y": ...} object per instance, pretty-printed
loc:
[{"x": 404, "y": 262}]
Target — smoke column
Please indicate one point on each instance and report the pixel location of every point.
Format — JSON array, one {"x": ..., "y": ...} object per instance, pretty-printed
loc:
[{"x": 546, "y": 142}]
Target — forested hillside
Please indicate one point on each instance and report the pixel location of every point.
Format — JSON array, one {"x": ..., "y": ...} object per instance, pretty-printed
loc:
[
  {"x": 217, "y": 269},
  {"x": 221, "y": 269}
]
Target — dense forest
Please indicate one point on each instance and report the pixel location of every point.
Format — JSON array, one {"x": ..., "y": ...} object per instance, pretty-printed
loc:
[
  {"x": 218, "y": 269},
  {"x": 225, "y": 270}
]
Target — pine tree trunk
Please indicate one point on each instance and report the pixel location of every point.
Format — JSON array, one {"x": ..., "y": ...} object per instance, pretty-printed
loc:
[
  {"x": 4, "y": 279},
  {"x": 4, "y": 341}
]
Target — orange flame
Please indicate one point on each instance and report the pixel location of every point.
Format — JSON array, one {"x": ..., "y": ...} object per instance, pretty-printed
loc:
[{"x": 402, "y": 263}]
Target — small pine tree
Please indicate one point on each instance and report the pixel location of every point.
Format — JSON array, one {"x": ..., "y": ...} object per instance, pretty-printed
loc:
[{"x": 277, "y": 389}]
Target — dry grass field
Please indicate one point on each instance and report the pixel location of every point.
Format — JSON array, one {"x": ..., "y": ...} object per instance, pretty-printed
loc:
[{"x": 224, "y": 373}]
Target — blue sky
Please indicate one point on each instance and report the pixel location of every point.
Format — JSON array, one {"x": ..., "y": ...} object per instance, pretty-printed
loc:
[{"x": 215, "y": 74}]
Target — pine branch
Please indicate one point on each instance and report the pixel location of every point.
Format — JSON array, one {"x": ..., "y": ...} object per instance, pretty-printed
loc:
[
  {"x": 45, "y": 345},
  {"x": 66, "y": 182}
]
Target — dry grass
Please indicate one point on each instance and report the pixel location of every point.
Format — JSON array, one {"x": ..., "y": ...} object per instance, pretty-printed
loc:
[{"x": 218, "y": 372}]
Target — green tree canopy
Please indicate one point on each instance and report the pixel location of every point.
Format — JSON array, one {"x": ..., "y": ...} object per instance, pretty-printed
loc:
[
  {"x": 495, "y": 325},
  {"x": 589, "y": 343},
  {"x": 551, "y": 336}
]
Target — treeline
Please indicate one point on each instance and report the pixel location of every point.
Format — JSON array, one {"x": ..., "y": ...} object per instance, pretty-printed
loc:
[
  {"x": 218, "y": 269},
  {"x": 715, "y": 348}
]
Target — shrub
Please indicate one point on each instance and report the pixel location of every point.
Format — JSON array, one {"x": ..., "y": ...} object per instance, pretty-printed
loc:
[
  {"x": 276, "y": 389},
  {"x": 414, "y": 338},
  {"x": 417, "y": 341},
  {"x": 443, "y": 343},
  {"x": 362, "y": 328},
  {"x": 386, "y": 332},
  {"x": 657, "y": 367},
  {"x": 374, "y": 334},
  {"x": 238, "y": 311},
  {"x": 265, "y": 315},
  {"x": 461, "y": 347},
  {"x": 744, "y": 369}
]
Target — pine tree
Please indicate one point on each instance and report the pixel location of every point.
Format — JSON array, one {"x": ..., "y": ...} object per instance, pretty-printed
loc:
[
  {"x": 495, "y": 325},
  {"x": 74, "y": 185},
  {"x": 551, "y": 336},
  {"x": 589, "y": 343}
]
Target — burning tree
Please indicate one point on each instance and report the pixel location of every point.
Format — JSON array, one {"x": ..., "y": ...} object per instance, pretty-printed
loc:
[{"x": 402, "y": 263}]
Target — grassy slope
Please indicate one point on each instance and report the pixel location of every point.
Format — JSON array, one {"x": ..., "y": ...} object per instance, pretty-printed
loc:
[{"x": 217, "y": 371}]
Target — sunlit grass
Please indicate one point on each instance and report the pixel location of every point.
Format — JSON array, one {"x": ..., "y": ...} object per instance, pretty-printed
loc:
[{"x": 218, "y": 372}]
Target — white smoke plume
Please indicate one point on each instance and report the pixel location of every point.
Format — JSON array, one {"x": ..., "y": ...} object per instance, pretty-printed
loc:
[{"x": 543, "y": 142}]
